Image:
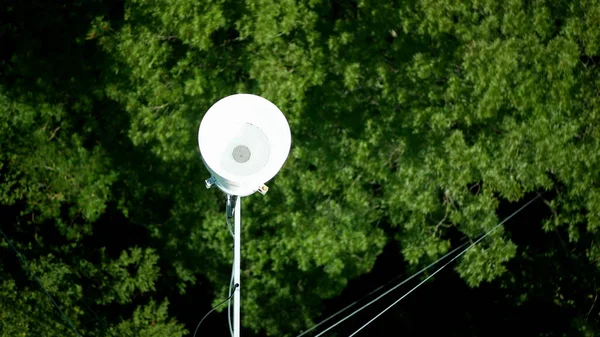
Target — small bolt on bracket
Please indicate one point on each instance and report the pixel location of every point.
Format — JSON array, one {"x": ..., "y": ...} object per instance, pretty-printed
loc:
[
  {"x": 263, "y": 189},
  {"x": 209, "y": 182}
]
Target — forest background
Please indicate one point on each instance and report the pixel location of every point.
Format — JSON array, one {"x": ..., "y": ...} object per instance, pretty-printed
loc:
[{"x": 417, "y": 125}]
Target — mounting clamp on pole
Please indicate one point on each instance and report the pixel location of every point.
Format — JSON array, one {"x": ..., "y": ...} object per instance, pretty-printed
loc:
[{"x": 231, "y": 200}]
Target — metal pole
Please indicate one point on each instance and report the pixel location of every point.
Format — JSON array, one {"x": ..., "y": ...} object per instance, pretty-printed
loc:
[{"x": 236, "y": 266}]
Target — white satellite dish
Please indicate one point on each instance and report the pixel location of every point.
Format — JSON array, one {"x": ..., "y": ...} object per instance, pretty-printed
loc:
[{"x": 244, "y": 140}]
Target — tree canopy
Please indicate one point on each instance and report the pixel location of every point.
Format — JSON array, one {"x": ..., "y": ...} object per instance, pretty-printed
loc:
[{"x": 414, "y": 123}]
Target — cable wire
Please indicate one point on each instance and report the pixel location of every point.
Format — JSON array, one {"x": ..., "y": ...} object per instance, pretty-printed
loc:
[
  {"x": 229, "y": 300},
  {"x": 213, "y": 309},
  {"x": 446, "y": 264},
  {"x": 229, "y": 305},
  {"x": 378, "y": 297},
  {"x": 379, "y": 288},
  {"x": 230, "y": 213},
  {"x": 349, "y": 306},
  {"x": 24, "y": 263}
]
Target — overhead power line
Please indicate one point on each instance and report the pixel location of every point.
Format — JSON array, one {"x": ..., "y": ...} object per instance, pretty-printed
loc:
[
  {"x": 376, "y": 299},
  {"x": 446, "y": 264},
  {"x": 405, "y": 281}
]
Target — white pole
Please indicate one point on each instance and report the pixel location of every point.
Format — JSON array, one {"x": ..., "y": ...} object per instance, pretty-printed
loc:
[{"x": 236, "y": 266}]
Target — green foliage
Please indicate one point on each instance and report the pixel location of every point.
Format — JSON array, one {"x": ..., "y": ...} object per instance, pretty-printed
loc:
[
  {"x": 411, "y": 121},
  {"x": 484, "y": 265},
  {"x": 126, "y": 283},
  {"x": 149, "y": 321}
]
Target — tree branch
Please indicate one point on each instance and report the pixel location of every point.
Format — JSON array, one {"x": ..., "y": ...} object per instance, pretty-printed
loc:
[
  {"x": 54, "y": 133},
  {"x": 592, "y": 307},
  {"x": 158, "y": 107}
]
